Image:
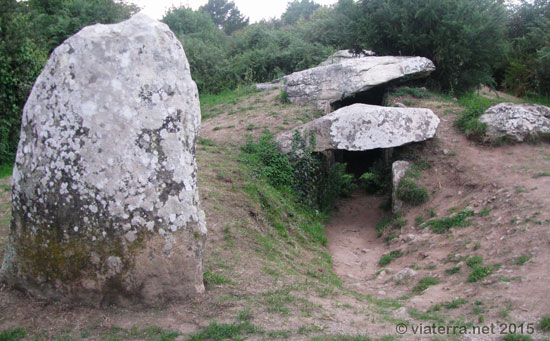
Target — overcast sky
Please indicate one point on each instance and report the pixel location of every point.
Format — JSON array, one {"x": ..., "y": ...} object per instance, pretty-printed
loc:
[{"x": 256, "y": 10}]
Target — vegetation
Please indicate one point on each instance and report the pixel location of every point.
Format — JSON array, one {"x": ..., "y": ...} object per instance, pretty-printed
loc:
[
  {"x": 442, "y": 225},
  {"x": 479, "y": 271},
  {"x": 424, "y": 283},
  {"x": 412, "y": 193},
  {"x": 544, "y": 323},
  {"x": 389, "y": 257},
  {"x": 12, "y": 334}
]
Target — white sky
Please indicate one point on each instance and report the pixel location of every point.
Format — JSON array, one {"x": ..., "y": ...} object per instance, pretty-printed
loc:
[{"x": 254, "y": 9}]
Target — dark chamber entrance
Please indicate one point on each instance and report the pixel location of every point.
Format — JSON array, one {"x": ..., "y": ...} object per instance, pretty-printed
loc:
[
  {"x": 374, "y": 96},
  {"x": 359, "y": 162}
]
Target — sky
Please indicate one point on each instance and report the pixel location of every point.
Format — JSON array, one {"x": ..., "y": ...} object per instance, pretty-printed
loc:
[{"x": 256, "y": 10}]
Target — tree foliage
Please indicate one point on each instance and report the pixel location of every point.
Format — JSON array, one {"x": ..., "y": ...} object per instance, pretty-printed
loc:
[
  {"x": 298, "y": 9},
  {"x": 463, "y": 38},
  {"x": 225, "y": 15}
]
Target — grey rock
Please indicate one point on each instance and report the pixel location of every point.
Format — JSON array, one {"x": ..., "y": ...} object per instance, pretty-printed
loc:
[
  {"x": 105, "y": 200},
  {"x": 516, "y": 121},
  {"x": 399, "y": 105},
  {"x": 276, "y": 84},
  {"x": 404, "y": 275},
  {"x": 401, "y": 313},
  {"x": 343, "y": 55},
  {"x": 327, "y": 84},
  {"x": 361, "y": 127},
  {"x": 399, "y": 168}
]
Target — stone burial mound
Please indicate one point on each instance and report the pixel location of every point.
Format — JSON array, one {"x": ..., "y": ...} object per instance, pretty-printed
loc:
[{"x": 105, "y": 200}]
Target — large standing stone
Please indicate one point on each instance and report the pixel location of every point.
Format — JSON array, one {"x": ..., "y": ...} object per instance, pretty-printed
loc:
[
  {"x": 105, "y": 200},
  {"x": 518, "y": 121},
  {"x": 327, "y": 84},
  {"x": 361, "y": 127}
]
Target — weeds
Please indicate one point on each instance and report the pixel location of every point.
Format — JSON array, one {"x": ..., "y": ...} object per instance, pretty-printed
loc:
[
  {"x": 12, "y": 334},
  {"x": 424, "y": 283},
  {"x": 544, "y": 323},
  {"x": 389, "y": 257},
  {"x": 468, "y": 120},
  {"x": 442, "y": 225},
  {"x": 411, "y": 193}
]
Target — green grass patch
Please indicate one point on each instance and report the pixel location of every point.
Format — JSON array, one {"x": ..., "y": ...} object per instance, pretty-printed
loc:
[
  {"x": 212, "y": 278},
  {"x": 544, "y": 323},
  {"x": 517, "y": 337},
  {"x": 468, "y": 121},
  {"x": 6, "y": 170},
  {"x": 448, "y": 305},
  {"x": 522, "y": 260},
  {"x": 424, "y": 283},
  {"x": 540, "y": 175},
  {"x": 389, "y": 257},
  {"x": 442, "y": 225},
  {"x": 479, "y": 272},
  {"x": 226, "y": 96},
  {"x": 226, "y": 331},
  {"x": 12, "y": 334},
  {"x": 452, "y": 270},
  {"x": 382, "y": 224},
  {"x": 474, "y": 261},
  {"x": 206, "y": 142}
]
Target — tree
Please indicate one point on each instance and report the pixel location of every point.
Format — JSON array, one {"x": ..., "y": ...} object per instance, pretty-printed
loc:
[
  {"x": 20, "y": 63},
  {"x": 463, "y": 38},
  {"x": 298, "y": 9},
  {"x": 226, "y": 15}
]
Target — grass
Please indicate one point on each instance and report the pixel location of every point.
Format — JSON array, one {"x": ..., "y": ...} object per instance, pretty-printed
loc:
[
  {"x": 540, "y": 175},
  {"x": 206, "y": 142},
  {"x": 12, "y": 334},
  {"x": 474, "y": 261},
  {"x": 442, "y": 225},
  {"x": 211, "y": 278},
  {"x": 448, "y": 305},
  {"x": 389, "y": 257},
  {"x": 226, "y": 331},
  {"x": 424, "y": 283},
  {"x": 522, "y": 260},
  {"x": 468, "y": 121},
  {"x": 6, "y": 170},
  {"x": 517, "y": 337},
  {"x": 544, "y": 323},
  {"x": 479, "y": 272},
  {"x": 452, "y": 270}
]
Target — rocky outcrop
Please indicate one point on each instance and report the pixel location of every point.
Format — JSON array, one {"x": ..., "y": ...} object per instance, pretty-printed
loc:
[
  {"x": 342, "y": 55},
  {"x": 361, "y": 127},
  {"x": 324, "y": 85},
  {"x": 399, "y": 168},
  {"x": 105, "y": 200},
  {"x": 517, "y": 121}
]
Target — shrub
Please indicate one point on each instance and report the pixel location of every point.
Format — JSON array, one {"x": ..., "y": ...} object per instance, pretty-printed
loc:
[
  {"x": 412, "y": 193},
  {"x": 378, "y": 178}
]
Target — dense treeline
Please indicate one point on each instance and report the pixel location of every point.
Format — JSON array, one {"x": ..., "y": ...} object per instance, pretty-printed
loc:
[{"x": 472, "y": 42}]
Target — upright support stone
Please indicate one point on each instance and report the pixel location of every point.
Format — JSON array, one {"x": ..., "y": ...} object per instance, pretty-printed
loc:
[
  {"x": 399, "y": 168},
  {"x": 105, "y": 201}
]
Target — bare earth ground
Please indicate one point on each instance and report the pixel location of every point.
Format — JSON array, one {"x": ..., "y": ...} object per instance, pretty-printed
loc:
[{"x": 285, "y": 287}]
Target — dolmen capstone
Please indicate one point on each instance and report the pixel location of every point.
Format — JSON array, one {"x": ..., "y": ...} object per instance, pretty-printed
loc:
[
  {"x": 342, "y": 55},
  {"x": 327, "y": 84},
  {"x": 105, "y": 200},
  {"x": 361, "y": 127},
  {"x": 517, "y": 121}
]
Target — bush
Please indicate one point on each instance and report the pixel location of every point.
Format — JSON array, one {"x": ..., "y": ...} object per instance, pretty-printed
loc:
[
  {"x": 301, "y": 171},
  {"x": 412, "y": 193},
  {"x": 378, "y": 178},
  {"x": 474, "y": 261},
  {"x": 468, "y": 120},
  {"x": 468, "y": 41}
]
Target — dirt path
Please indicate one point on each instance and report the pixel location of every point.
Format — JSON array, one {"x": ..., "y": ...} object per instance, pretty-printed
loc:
[{"x": 353, "y": 241}]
